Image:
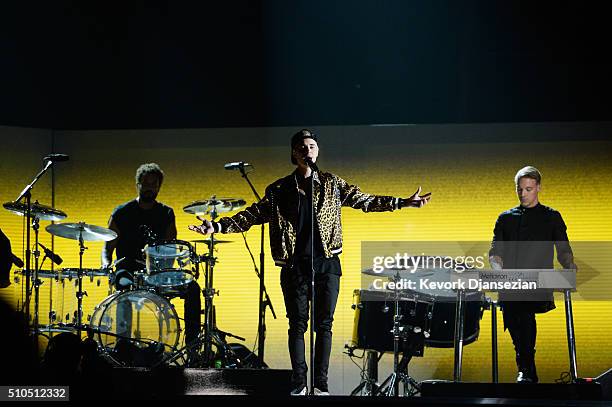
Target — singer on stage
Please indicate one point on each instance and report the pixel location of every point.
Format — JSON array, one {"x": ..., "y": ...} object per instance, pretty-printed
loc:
[
  {"x": 302, "y": 240},
  {"x": 524, "y": 238}
]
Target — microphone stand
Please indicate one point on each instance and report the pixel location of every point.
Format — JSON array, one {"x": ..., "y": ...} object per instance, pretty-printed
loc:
[
  {"x": 264, "y": 298},
  {"x": 313, "y": 169},
  {"x": 27, "y": 193}
]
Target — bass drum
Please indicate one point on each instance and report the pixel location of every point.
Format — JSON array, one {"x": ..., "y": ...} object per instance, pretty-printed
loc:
[{"x": 135, "y": 328}]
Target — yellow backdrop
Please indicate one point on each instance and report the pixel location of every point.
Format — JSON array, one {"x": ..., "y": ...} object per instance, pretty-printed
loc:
[{"x": 471, "y": 184}]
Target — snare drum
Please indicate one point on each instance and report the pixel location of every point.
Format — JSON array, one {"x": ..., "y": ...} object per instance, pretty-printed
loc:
[
  {"x": 135, "y": 328},
  {"x": 169, "y": 263}
]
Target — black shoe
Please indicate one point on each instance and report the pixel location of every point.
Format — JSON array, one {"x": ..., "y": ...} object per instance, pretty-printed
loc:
[
  {"x": 320, "y": 389},
  {"x": 526, "y": 376},
  {"x": 300, "y": 390}
]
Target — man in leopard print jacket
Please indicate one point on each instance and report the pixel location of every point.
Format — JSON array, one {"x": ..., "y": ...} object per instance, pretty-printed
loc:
[{"x": 288, "y": 207}]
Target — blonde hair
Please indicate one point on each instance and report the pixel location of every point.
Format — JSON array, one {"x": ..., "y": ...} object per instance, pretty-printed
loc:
[{"x": 528, "y": 172}]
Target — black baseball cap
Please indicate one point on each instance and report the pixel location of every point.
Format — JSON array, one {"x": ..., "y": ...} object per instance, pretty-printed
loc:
[{"x": 298, "y": 137}]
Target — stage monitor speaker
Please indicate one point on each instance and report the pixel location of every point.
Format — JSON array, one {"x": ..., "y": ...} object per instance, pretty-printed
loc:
[{"x": 542, "y": 391}]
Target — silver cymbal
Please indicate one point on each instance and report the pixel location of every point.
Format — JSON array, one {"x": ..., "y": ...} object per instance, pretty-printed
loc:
[
  {"x": 393, "y": 272},
  {"x": 90, "y": 233},
  {"x": 42, "y": 212},
  {"x": 207, "y": 241},
  {"x": 219, "y": 205}
]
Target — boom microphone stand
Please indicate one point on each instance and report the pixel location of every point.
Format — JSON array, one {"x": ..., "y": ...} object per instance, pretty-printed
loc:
[
  {"x": 27, "y": 193},
  {"x": 264, "y": 298}
]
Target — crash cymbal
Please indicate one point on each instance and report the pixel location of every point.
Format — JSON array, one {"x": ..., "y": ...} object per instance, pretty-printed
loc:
[
  {"x": 42, "y": 212},
  {"x": 220, "y": 205},
  {"x": 207, "y": 241},
  {"x": 404, "y": 273},
  {"x": 90, "y": 233}
]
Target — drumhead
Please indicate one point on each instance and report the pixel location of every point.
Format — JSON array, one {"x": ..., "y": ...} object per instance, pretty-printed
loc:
[
  {"x": 136, "y": 328},
  {"x": 169, "y": 263}
]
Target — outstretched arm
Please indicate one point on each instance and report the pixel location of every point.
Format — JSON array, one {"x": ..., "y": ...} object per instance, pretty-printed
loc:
[
  {"x": 256, "y": 214},
  {"x": 352, "y": 196}
]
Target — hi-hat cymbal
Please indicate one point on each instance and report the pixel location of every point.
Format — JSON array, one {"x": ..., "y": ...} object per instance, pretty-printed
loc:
[
  {"x": 42, "y": 212},
  {"x": 218, "y": 205},
  {"x": 90, "y": 233}
]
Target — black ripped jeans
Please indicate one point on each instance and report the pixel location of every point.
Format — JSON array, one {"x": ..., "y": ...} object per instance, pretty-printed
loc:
[{"x": 296, "y": 284}]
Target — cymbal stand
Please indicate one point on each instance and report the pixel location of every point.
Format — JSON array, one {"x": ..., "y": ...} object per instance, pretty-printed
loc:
[
  {"x": 80, "y": 292},
  {"x": 390, "y": 387},
  {"x": 36, "y": 281},
  {"x": 209, "y": 292}
]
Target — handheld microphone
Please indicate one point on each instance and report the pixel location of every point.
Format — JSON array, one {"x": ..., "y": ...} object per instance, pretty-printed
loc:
[
  {"x": 236, "y": 165},
  {"x": 55, "y": 258},
  {"x": 311, "y": 164},
  {"x": 56, "y": 157}
]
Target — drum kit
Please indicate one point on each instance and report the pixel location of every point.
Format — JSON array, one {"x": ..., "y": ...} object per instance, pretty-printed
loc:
[
  {"x": 405, "y": 321},
  {"x": 138, "y": 325}
]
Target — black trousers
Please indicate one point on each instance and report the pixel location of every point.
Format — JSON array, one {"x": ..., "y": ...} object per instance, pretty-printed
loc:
[
  {"x": 296, "y": 286},
  {"x": 520, "y": 321}
]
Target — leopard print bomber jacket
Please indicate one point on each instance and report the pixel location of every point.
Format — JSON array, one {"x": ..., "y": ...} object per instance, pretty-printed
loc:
[{"x": 279, "y": 207}]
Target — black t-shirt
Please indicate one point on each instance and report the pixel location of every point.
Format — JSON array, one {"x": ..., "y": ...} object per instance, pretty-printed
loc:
[
  {"x": 303, "y": 242},
  {"x": 131, "y": 220}
]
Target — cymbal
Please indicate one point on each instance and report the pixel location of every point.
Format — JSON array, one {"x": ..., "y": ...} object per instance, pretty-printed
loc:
[
  {"x": 393, "y": 272},
  {"x": 207, "y": 241},
  {"x": 42, "y": 212},
  {"x": 89, "y": 233},
  {"x": 219, "y": 205}
]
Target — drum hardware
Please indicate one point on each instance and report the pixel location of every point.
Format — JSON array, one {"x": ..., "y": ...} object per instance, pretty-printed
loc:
[
  {"x": 36, "y": 213},
  {"x": 39, "y": 211},
  {"x": 81, "y": 232},
  {"x": 369, "y": 377},
  {"x": 201, "y": 348},
  {"x": 427, "y": 318},
  {"x": 412, "y": 340}
]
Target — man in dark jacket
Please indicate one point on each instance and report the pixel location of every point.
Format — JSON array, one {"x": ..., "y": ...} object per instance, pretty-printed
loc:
[{"x": 525, "y": 238}]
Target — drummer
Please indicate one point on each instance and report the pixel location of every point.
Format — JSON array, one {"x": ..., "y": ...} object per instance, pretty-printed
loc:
[{"x": 139, "y": 222}]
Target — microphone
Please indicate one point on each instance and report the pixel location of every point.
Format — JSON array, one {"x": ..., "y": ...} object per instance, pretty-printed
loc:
[
  {"x": 236, "y": 165},
  {"x": 54, "y": 257},
  {"x": 311, "y": 164},
  {"x": 56, "y": 157}
]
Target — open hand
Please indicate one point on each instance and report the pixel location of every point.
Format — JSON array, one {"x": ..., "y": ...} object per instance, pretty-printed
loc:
[
  {"x": 205, "y": 228},
  {"x": 416, "y": 200}
]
